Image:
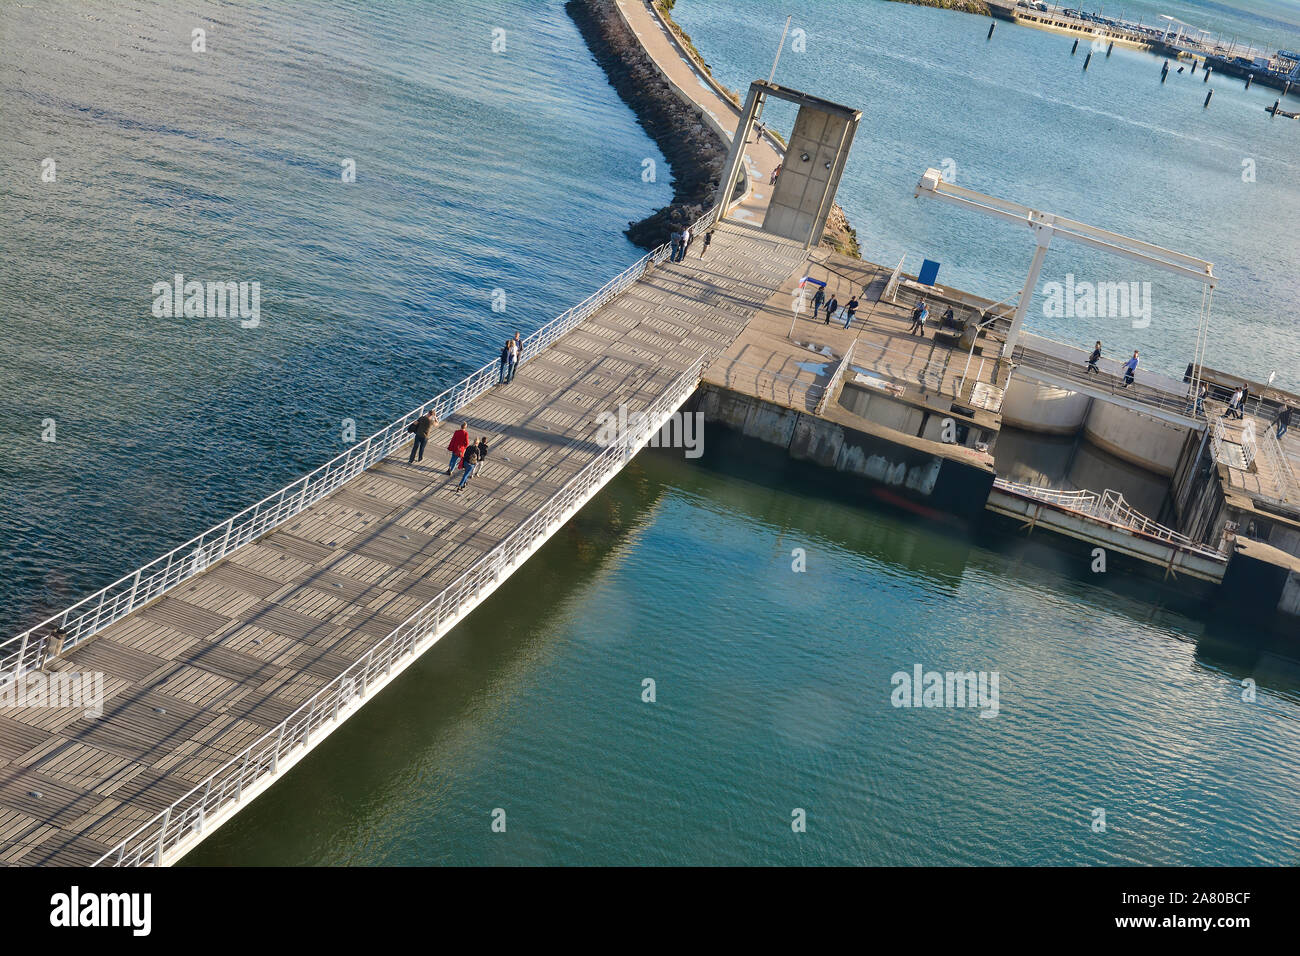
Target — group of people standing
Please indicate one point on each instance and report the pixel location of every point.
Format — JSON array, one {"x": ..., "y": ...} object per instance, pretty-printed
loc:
[
  {"x": 680, "y": 241},
  {"x": 919, "y": 316},
  {"x": 468, "y": 455},
  {"x": 510, "y": 353}
]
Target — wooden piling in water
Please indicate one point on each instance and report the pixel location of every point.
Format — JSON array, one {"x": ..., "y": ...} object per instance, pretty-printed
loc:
[
  {"x": 991, "y": 26},
  {"x": 1074, "y": 49},
  {"x": 1208, "y": 96},
  {"x": 1250, "y": 78},
  {"x": 1086, "y": 61}
]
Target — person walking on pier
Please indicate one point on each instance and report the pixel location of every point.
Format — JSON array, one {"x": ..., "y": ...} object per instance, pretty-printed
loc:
[
  {"x": 420, "y": 428},
  {"x": 1245, "y": 397},
  {"x": 686, "y": 243},
  {"x": 850, "y": 310},
  {"x": 1093, "y": 359},
  {"x": 469, "y": 463},
  {"x": 831, "y": 307},
  {"x": 775, "y": 173},
  {"x": 1130, "y": 369},
  {"x": 1283, "y": 420},
  {"x": 459, "y": 442},
  {"x": 818, "y": 298},
  {"x": 1201, "y": 396},
  {"x": 1233, "y": 403},
  {"x": 674, "y": 244},
  {"x": 708, "y": 237}
]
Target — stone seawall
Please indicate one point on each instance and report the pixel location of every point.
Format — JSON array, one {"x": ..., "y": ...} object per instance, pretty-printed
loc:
[
  {"x": 694, "y": 150},
  {"x": 961, "y": 6},
  {"x": 920, "y": 476}
]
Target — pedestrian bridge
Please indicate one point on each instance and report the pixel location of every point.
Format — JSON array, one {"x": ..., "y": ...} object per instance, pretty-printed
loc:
[{"x": 227, "y": 660}]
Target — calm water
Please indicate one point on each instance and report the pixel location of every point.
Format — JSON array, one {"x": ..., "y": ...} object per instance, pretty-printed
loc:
[
  {"x": 534, "y": 706},
  {"x": 475, "y": 171},
  {"x": 1017, "y": 117},
  {"x": 517, "y": 170}
]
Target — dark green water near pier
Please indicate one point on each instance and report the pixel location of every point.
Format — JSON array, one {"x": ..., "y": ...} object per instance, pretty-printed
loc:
[{"x": 773, "y": 693}]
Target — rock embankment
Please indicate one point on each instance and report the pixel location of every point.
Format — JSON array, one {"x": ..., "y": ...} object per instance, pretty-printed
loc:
[{"x": 694, "y": 150}]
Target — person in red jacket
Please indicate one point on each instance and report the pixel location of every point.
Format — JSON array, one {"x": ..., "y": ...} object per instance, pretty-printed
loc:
[{"x": 459, "y": 442}]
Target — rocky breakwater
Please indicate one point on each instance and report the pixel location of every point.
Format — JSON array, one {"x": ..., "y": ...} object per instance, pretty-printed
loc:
[{"x": 694, "y": 150}]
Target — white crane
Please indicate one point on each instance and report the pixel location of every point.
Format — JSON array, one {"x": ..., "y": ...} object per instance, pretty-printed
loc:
[{"x": 1045, "y": 227}]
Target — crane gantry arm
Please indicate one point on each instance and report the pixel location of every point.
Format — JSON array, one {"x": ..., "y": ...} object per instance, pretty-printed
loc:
[{"x": 1046, "y": 227}]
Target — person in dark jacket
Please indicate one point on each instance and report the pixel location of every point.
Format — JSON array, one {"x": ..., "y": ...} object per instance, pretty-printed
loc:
[
  {"x": 850, "y": 311},
  {"x": 420, "y": 429},
  {"x": 831, "y": 307},
  {"x": 459, "y": 442},
  {"x": 818, "y": 299},
  {"x": 469, "y": 463},
  {"x": 1283, "y": 420},
  {"x": 505, "y": 362},
  {"x": 1093, "y": 359}
]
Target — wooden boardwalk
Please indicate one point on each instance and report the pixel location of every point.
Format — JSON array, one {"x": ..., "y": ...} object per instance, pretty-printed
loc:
[{"x": 195, "y": 677}]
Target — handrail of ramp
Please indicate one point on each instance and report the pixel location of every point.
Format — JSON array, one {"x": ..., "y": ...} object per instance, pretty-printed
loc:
[
  {"x": 34, "y": 647},
  {"x": 1111, "y": 508},
  {"x": 320, "y": 715}
]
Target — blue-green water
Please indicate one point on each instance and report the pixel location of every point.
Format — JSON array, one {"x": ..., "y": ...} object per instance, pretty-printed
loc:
[
  {"x": 773, "y": 694},
  {"x": 517, "y": 169}
]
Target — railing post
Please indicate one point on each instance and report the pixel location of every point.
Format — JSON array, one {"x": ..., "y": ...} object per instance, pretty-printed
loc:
[
  {"x": 22, "y": 653},
  {"x": 162, "y": 836},
  {"x": 279, "y": 743},
  {"x": 203, "y": 806},
  {"x": 239, "y": 783},
  {"x": 135, "y": 586}
]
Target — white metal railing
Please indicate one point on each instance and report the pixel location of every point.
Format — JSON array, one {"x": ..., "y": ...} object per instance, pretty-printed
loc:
[
  {"x": 221, "y": 792},
  {"x": 1218, "y": 436},
  {"x": 891, "y": 287},
  {"x": 835, "y": 379},
  {"x": 1275, "y": 458},
  {"x": 35, "y": 646},
  {"x": 1253, "y": 448},
  {"x": 1109, "y": 507}
]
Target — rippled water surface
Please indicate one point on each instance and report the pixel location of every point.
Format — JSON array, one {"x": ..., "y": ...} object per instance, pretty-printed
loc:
[{"x": 517, "y": 170}]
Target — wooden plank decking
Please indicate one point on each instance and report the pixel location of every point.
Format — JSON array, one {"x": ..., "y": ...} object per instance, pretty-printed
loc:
[{"x": 195, "y": 677}]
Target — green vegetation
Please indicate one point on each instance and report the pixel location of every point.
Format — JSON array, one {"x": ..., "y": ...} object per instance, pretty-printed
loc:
[{"x": 961, "y": 6}]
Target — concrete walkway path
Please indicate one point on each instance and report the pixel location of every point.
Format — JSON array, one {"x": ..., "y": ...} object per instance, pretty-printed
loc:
[{"x": 762, "y": 154}]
